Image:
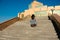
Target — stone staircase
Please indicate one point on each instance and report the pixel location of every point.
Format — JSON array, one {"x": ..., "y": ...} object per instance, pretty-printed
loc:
[{"x": 21, "y": 30}]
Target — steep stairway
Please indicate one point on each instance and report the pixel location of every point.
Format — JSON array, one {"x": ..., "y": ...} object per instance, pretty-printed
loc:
[{"x": 21, "y": 30}]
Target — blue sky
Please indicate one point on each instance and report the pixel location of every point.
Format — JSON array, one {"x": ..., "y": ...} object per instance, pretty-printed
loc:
[{"x": 10, "y": 8}]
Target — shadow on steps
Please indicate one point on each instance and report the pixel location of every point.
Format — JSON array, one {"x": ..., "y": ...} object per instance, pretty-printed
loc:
[{"x": 56, "y": 28}]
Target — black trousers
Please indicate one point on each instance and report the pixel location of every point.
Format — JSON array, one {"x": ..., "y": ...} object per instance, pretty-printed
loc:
[{"x": 33, "y": 25}]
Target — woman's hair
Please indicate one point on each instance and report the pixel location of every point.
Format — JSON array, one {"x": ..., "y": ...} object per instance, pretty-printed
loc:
[{"x": 33, "y": 16}]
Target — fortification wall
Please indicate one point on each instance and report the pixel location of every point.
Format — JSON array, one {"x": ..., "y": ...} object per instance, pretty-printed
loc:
[
  {"x": 7, "y": 23},
  {"x": 43, "y": 8},
  {"x": 57, "y": 7}
]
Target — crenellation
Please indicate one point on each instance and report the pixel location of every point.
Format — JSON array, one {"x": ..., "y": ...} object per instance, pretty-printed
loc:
[{"x": 39, "y": 7}]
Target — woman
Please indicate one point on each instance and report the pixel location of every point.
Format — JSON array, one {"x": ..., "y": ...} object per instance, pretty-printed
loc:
[{"x": 33, "y": 21}]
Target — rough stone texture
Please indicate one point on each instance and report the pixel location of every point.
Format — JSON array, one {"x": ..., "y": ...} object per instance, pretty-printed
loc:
[{"x": 21, "y": 30}]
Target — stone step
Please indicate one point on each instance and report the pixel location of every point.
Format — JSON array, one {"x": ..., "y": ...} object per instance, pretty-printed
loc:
[
  {"x": 26, "y": 38},
  {"x": 21, "y": 30},
  {"x": 42, "y": 18},
  {"x": 30, "y": 36}
]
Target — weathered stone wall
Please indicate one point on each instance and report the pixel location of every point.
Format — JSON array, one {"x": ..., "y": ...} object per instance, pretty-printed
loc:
[
  {"x": 56, "y": 19},
  {"x": 7, "y": 23}
]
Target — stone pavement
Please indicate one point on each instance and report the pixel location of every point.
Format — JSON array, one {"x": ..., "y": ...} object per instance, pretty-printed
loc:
[{"x": 21, "y": 30}]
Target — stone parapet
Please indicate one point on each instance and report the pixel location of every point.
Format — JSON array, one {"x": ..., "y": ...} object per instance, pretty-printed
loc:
[
  {"x": 56, "y": 19},
  {"x": 7, "y": 23}
]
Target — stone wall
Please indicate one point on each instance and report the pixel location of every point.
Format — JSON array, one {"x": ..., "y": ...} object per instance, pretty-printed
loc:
[
  {"x": 56, "y": 19},
  {"x": 31, "y": 11},
  {"x": 7, "y": 23}
]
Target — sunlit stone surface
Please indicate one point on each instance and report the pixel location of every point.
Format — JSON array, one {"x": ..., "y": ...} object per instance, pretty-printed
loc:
[
  {"x": 21, "y": 30},
  {"x": 43, "y": 10}
]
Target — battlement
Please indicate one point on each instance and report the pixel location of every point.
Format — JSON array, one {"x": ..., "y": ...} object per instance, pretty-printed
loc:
[{"x": 39, "y": 9}]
